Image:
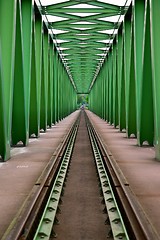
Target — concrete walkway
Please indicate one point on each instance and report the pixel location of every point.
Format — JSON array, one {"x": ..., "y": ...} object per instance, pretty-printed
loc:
[
  {"x": 19, "y": 174},
  {"x": 138, "y": 165}
]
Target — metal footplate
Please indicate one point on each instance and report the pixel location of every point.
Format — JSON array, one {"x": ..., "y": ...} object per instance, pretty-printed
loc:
[
  {"x": 115, "y": 218},
  {"x": 45, "y": 228}
]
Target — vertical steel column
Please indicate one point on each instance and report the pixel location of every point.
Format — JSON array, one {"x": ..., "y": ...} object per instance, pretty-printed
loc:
[
  {"x": 4, "y": 152},
  {"x": 107, "y": 89},
  {"x": 19, "y": 116},
  {"x": 63, "y": 89},
  {"x": 28, "y": 37},
  {"x": 92, "y": 94},
  {"x": 119, "y": 69},
  {"x": 146, "y": 103},
  {"x": 122, "y": 112},
  {"x": 97, "y": 98},
  {"x": 102, "y": 96},
  {"x": 70, "y": 101},
  {"x": 115, "y": 84},
  {"x": 34, "y": 116},
  {"x": 60, "y": 89},
  {"x": 127, "y": 60},
  {"x": 7, "y": 45},
  {"x": 103, "y": 80},
  {"x": 44, "y": 80},
  {"x": 132, "y": 126},
  {"x": 110, "y": 87},
  {"x": 65, "y": 95},
  {"x": 57, "y": 89},
  {"x": 155, "y": 40},
  {"x": 104, "y": 90},
  {"x": 138, "y": 17},
  {"x": 54, "y": 86},
  {"x": 100, "y": 93},
  {"x": 63, "y": 92},
  {"x": 50, "y": 84},
  {"x": 38, "y": 56}
]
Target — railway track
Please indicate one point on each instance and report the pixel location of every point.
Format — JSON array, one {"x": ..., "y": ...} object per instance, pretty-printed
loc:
[{"x": 123, "y": 214}]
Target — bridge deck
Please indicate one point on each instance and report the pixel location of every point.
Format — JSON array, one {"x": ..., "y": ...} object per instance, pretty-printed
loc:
[
  {"x": 138, "y": 164},
  {"x": 19, "y": 174}
]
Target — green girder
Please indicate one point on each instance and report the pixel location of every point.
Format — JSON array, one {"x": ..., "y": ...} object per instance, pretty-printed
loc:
[{"x": 83, "y": 35}]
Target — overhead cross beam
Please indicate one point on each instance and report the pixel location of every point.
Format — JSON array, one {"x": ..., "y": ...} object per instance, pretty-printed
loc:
[{"x": 85, "y": 31}]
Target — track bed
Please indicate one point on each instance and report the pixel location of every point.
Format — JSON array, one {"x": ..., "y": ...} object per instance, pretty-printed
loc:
[
  {"x": 81, "y": 210},
  {"x": 83, "y": 195}
]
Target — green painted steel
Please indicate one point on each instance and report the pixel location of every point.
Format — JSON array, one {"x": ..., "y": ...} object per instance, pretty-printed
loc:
[
  {"x": 131, "y": 118},
  {"x": 50, "y": 87},
  {"x": 27, "y": 13},
  {"x": 35, "y": 95},
  {"x": 115, "y": 84},
  {"x": 146, "y": 116},
  {"x": 7, "y": 45},
  {"x": 132, "y": 66},
  {"x": 138, "y": 28},
  {"x": 3, "y": 133},
  {"x": 83, "y": 34},
  {"x": 45, "y": 62},
  {"x": 155, "y": 38},
  {"x": 29, "y": 100},
  {"x": 127, "y": 62},
  {"x": 34, "y": 113},
  {"x": 44, "y": 80},
  {"x": 19, "y": 113}
]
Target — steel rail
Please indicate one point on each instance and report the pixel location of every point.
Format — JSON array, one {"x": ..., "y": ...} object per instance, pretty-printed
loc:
[
  {"x": 115, "y": 218},
  {"x": 45, "y": 228},
  {"x": 135, "y": 219},
  {"x": 25, "y": 223}
]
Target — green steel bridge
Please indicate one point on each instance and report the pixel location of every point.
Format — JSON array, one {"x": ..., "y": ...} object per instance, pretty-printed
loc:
[{"x": 51, "y": 51}]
